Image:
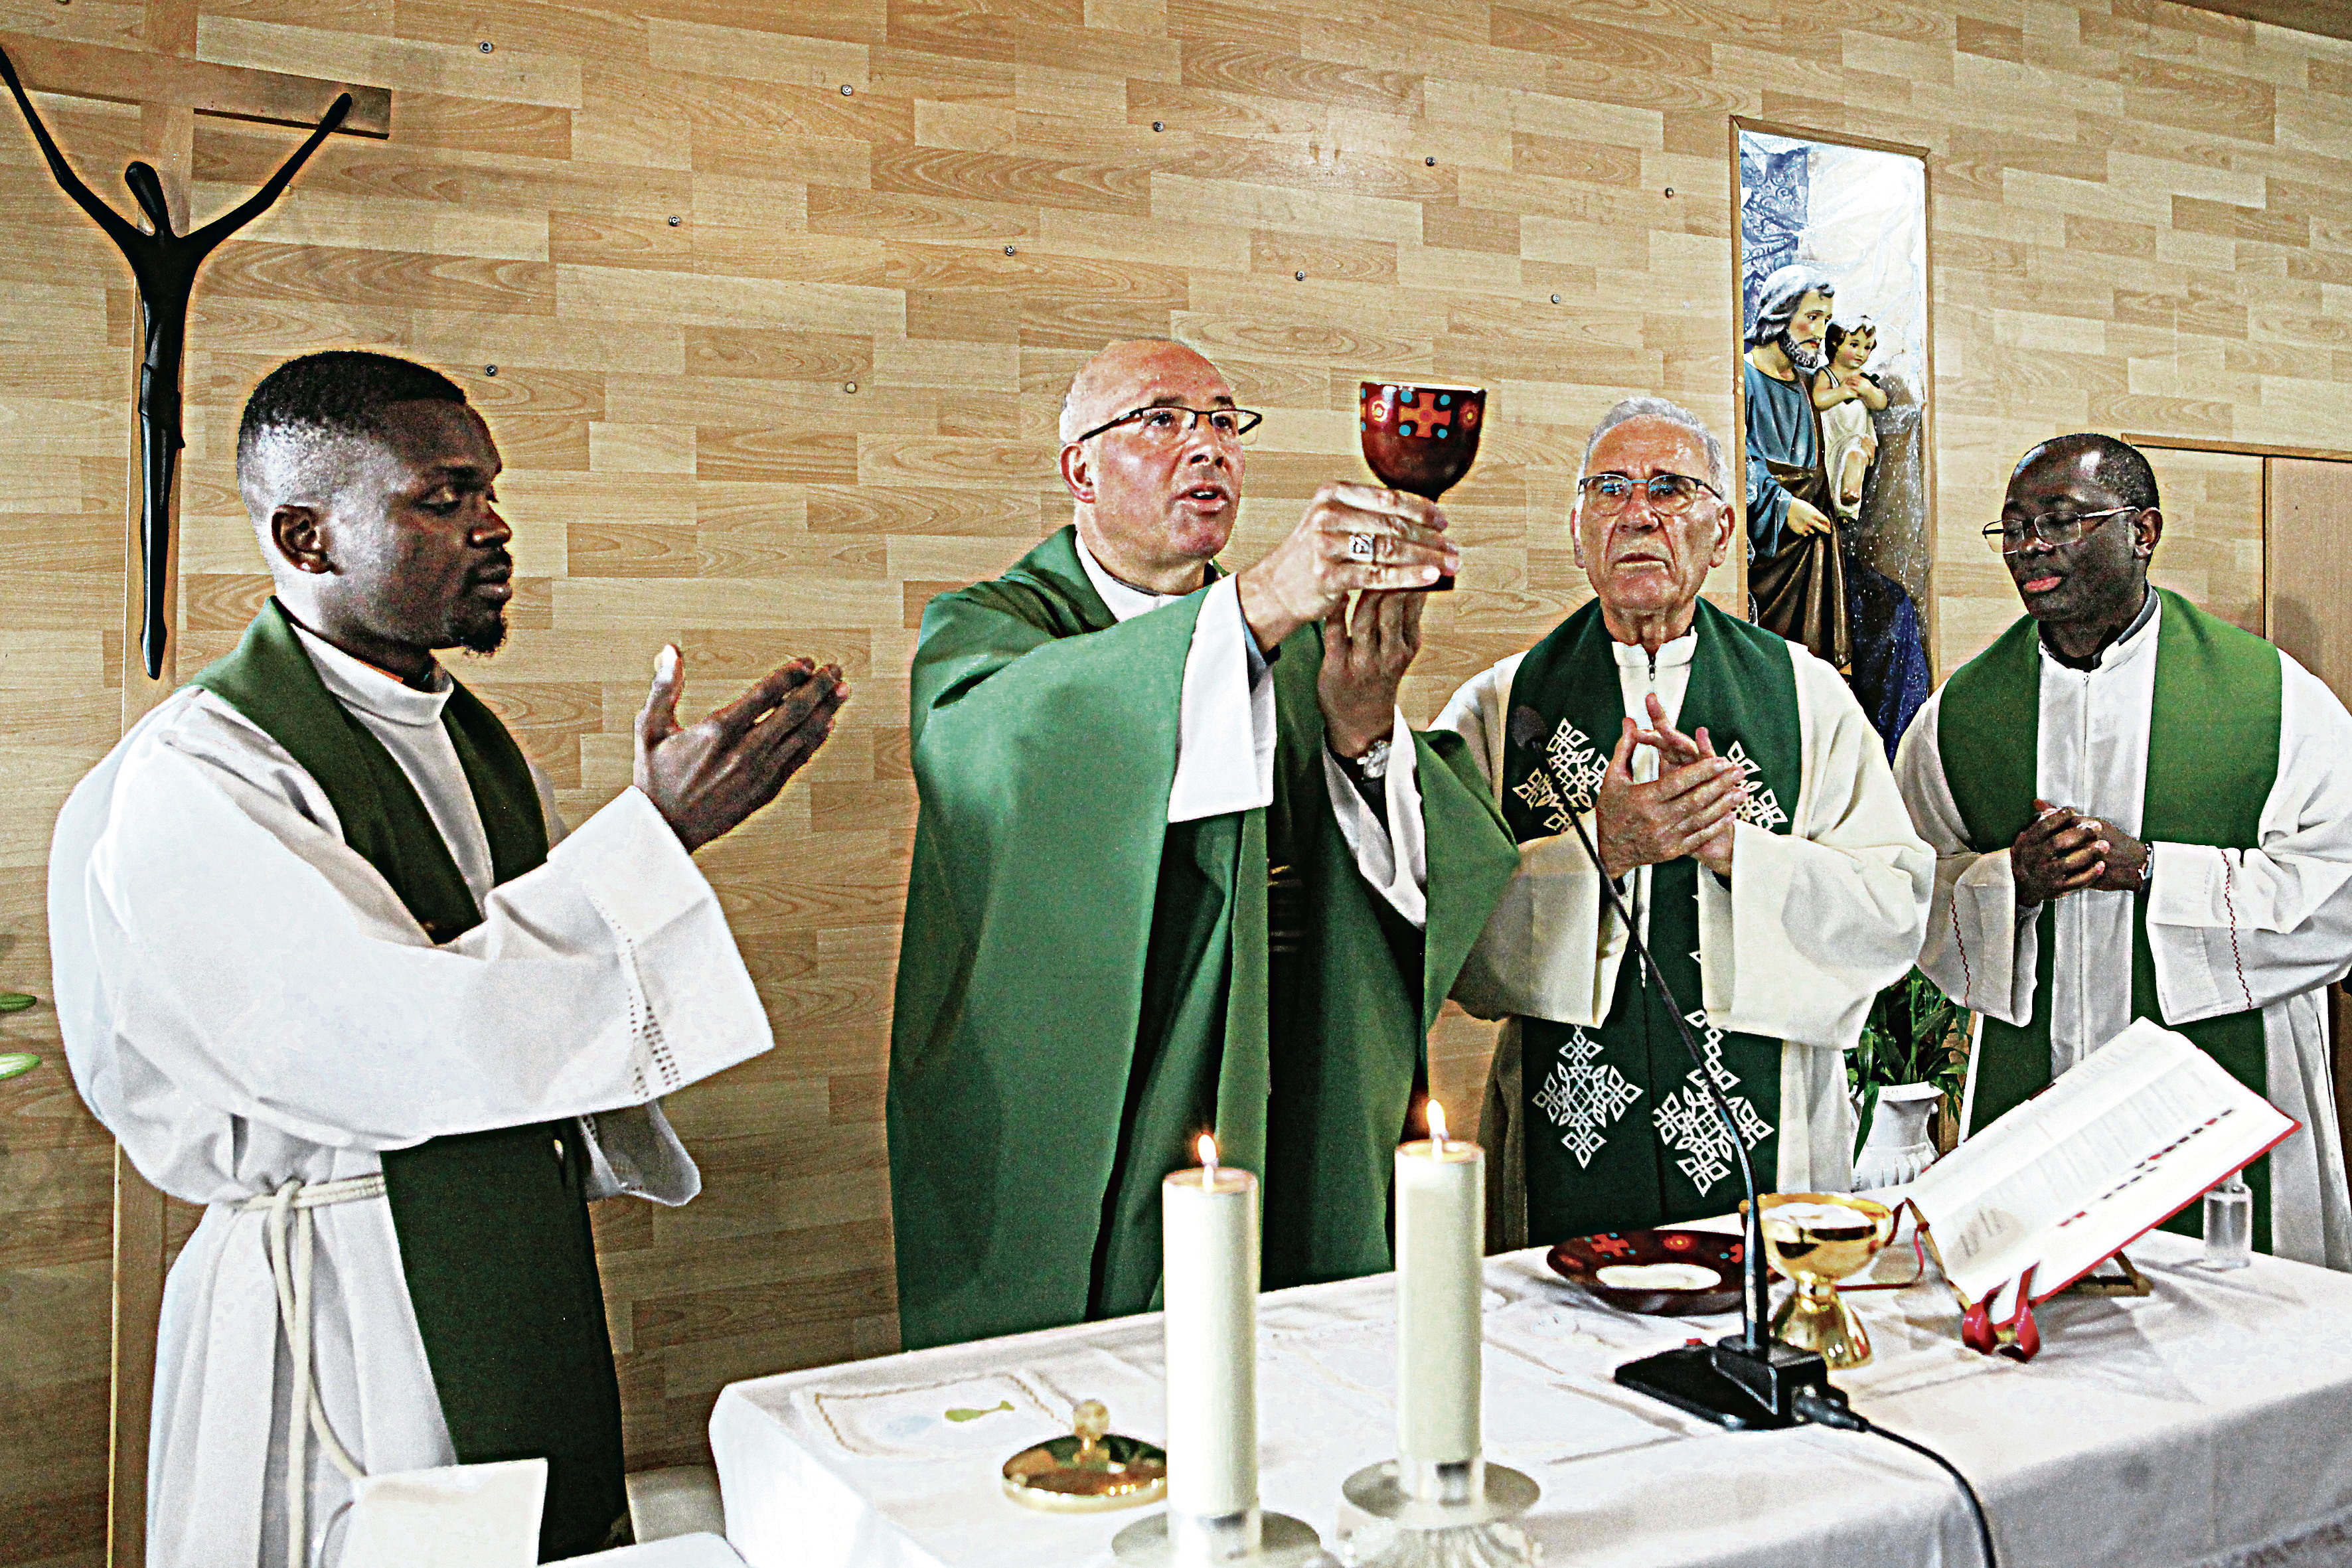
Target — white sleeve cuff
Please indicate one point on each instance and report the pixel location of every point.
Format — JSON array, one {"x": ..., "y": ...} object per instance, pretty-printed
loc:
[
  {"x": 1224, "y": 746},
  {"x": 1393, "y": 858}
]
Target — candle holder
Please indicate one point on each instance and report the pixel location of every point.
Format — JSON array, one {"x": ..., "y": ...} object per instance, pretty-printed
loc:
[
  {"x": 1210, "y": 1273},
  {"x": 1456, "y": 1512},
  {"x": 1251, "y": 1538}
]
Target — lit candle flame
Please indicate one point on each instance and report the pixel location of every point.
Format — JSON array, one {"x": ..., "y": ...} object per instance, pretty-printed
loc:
[
  {"x": 1436, "y": 1128},
  {"x": 1208, "y": 1150}
]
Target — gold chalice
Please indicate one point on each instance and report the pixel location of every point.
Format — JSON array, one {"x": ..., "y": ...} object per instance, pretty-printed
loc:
[{"x": 1817, "y": 1240}]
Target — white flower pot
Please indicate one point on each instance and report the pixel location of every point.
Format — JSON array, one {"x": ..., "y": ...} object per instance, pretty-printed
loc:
[{"x": 1899, "y": 1146}]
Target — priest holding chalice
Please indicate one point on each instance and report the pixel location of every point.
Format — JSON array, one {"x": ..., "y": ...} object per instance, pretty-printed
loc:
[
  {"x": 1742, "y": 805},
  {"x": 1181, "y": 867}
]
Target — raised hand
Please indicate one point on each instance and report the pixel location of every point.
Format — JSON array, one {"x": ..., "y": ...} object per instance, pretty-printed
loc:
[
  {"x": 1687, "y": 808},
  {"x": 705, "y": 778},
  {"x": 1311, "y": 572},
  {"x": 1365, "y": 655},
  {"x": 2060, "y": 852}
]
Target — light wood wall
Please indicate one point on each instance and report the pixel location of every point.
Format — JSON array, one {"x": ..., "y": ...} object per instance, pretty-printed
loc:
[{"x": 781, "y": 298}]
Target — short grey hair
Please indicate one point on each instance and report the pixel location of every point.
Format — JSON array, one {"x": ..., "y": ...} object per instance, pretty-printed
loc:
[{"x": 1718, "y": 471}]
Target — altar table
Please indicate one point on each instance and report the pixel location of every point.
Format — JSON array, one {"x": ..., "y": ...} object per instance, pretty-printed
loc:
[{"x": 2209, "y": 1423}]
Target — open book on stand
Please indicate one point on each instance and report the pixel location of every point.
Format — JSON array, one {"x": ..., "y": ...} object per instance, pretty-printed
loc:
[{"x": 2130, "y": 1138}]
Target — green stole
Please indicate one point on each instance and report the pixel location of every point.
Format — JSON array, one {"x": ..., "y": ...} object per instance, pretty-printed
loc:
[
  {"x": 493, "y": 1227},
  {"x": 1585, "y": 1172},
  {"x": 1083, "y": 988},
  {"x": 2212, "y": 757}
]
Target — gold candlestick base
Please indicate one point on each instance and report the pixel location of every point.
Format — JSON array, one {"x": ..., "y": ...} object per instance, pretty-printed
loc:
[{"x": 1092, "y": 1470}]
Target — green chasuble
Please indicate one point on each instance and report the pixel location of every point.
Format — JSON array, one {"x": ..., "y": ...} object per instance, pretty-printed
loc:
[
  {"x": 1084, "y": 987},
  {"x": 493, "y": 1227},
  {"x": 2212, "y": 757},
  {"x": 1620, "y": 1131}
]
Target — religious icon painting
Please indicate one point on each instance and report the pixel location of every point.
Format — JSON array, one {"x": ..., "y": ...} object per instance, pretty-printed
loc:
[{"x": 1833, "y": 377}]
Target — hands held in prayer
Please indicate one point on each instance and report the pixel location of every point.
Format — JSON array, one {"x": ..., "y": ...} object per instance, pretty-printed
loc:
[
  {"x": 1804, "y": 517},
  {"x": 1688, "y": 809},
  {"x": 2062, "y": 851},
  {"x": 1310, "y": 574},
  {"x": 1365, "y": 655},
  {"x": 708, "y": 777}
]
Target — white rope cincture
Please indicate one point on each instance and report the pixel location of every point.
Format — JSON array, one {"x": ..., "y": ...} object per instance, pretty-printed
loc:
[{"x": 290, "y": 1259}]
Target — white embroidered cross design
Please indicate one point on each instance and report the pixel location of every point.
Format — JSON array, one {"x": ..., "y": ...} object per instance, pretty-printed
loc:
[
  {"x": 1685, "y": 1118},
  {"x": 1569, "y": 780},
  {"x": 1583, "y": 1096},
  {"x": 1762, "y": 807}
]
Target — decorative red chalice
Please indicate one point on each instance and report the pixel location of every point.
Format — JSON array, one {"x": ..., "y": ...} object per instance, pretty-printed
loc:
[{"x": 1421, "y": 439}]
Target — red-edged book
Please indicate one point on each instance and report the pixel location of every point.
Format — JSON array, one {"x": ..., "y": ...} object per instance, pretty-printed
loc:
[{"x": 2133, "y": 1135}]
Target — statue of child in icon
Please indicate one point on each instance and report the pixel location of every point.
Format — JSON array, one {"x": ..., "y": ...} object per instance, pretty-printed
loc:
[{"x": 1847, "y": 396}]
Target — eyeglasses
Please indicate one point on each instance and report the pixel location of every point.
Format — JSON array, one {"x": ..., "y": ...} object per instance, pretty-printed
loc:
[
  {"x": 1164, "y": 425},
  {"x": 2008, "y": 538},
  {"x": 1670, "y": 494}
]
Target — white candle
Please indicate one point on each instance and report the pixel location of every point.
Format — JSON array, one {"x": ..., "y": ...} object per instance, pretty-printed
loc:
[
  {"x": 1209, "y": 1241},
  {"x": 1440, "y": 1214}
]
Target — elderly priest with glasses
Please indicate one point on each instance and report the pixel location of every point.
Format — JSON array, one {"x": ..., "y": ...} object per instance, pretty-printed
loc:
[
  {"x": 1180, "y": 868},
  {"x": 1742, "y": 805},
  {"x": 2139, "y": 811}
]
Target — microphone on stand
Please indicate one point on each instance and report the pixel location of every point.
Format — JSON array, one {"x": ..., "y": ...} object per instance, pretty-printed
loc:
[{"x": 1750, "y": 1380}]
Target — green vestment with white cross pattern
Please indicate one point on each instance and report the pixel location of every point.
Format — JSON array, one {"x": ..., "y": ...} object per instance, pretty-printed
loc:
[{"x": 1620, "y": 1131}]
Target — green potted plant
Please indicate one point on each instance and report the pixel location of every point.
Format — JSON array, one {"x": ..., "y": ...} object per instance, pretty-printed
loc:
[
  {"x": 15, "y": 1064},
  {"x": 1909, "y": 1063}
]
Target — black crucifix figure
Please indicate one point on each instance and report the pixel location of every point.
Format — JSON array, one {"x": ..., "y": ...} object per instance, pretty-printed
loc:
[{"x": 164, "y": 264}]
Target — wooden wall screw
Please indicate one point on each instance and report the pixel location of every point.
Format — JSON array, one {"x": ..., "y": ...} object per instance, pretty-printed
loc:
[
  {"x": 490, "y": 370},
  {"x": 1300, "y": 276},
  {"x": 488, "y": 46},
  {"x": 849, "y": 387},
  {"x": 674, "y": 220}
]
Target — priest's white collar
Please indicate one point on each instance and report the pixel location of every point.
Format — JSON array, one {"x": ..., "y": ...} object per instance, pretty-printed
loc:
[
  {"x": 363, "y": 687},
  {"x": 1124, "y": 600},
  {"x": 2133, "y": 641},
  {"x": 1633, "y": 656}
]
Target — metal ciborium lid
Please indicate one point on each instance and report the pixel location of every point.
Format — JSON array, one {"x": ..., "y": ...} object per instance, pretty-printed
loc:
[
  {"x": 1817, "y": 1240},
  {"x": 1092, "y": 1470}
]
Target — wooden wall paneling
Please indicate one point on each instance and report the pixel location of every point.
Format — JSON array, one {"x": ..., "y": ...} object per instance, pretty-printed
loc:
[
  {"x": 2213, "y": 549},
  {"x": 687, "y": 459}
]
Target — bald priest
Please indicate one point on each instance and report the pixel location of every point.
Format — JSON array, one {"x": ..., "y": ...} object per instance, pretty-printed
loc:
[
  {"x": 324, "y": 967},
  {"x": 1181, "y": 867}
]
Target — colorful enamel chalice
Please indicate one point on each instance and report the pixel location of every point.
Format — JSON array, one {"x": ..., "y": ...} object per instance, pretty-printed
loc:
[{"x": 1421, "y": 439}]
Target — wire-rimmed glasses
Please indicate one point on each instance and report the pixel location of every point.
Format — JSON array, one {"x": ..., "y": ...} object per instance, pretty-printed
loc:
[
  {"x": 1671, "y": 495},
  {"x": 2053, "y": 528},
  {"x": 1165, "y": 424}
]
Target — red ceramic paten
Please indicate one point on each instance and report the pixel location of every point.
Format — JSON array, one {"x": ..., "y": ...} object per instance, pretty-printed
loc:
[
  {"x": 1419, "y": 439},
  {"x": 1580, "y": 1260}
]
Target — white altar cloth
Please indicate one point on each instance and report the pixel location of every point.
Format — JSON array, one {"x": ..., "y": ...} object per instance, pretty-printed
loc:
[{"x": 2187, "y": 1427}]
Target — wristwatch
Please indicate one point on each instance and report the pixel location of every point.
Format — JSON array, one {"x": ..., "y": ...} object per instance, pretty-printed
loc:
[{"x": 1373, "y": 764}]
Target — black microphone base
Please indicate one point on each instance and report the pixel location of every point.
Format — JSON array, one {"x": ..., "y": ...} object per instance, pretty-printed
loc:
[{"x": 1729, "y": 1384}]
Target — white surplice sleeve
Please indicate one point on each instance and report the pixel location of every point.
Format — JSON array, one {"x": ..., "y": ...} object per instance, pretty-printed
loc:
[
  {"x": 239, "y": 990},
  {"x": 1225, "y": 728},
  {"x": 2232, "y": 930},
  {"x": 1980, "y": 948},
  {"x": 1550, "y": 949},
  {"x": 1819, "y": 920},
  {"x": 1225, "y": 756}
]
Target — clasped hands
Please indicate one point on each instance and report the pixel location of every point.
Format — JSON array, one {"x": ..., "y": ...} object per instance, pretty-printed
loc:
[
  {"x": 1311, "y": 575},
  {"x": 1688, "y": 809},
  {"x": 2062, "y": 851}
]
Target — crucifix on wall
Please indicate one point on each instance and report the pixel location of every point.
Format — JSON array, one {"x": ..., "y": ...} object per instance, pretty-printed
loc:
[{"x": 163, "y": 257}]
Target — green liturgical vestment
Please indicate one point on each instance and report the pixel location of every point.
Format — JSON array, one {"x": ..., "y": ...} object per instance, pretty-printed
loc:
[
  {"x": 1620, "y": 1133},
  {"x": 493, "y": 1227},
  {"x": 1084, "y": 987},
  {"x": 2212, "y": 759}
]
